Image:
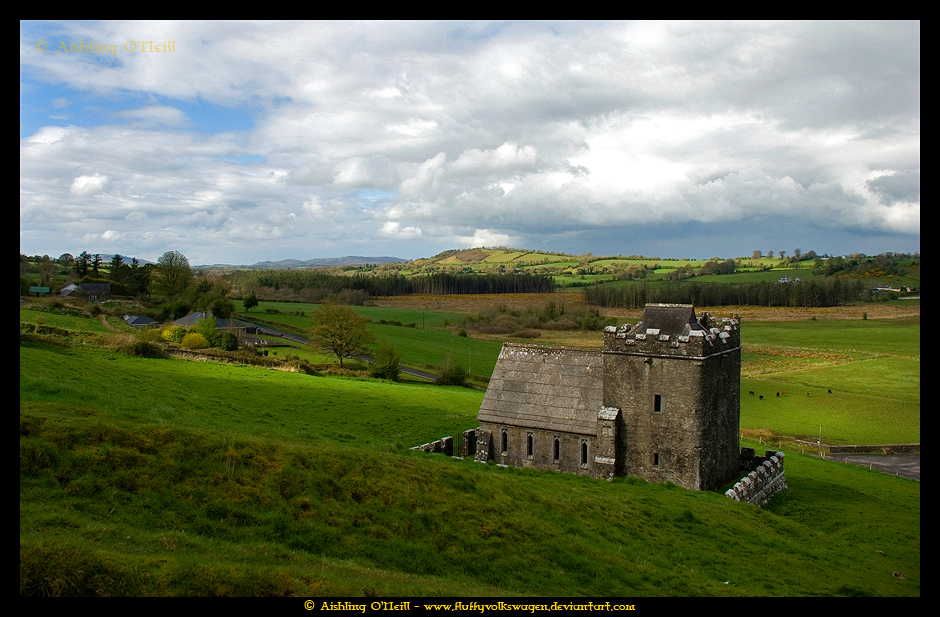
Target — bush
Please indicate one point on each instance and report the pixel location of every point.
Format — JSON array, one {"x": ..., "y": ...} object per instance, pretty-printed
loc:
[
  {"x": 174, "y": 334},
  {"x": 142, "y": 349},
  {"x": 228, "y": 342},
  {"x": 386, "y": 364},
  {"x": 194, "y": 340},
  {"x": 450, "y": 373}
]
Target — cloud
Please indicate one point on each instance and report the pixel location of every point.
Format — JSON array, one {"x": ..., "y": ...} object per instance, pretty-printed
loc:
[
  {"x": 395, "y": 230},
  {"x": 85, "y": 186},
  {"x": 407, "y": 136}
]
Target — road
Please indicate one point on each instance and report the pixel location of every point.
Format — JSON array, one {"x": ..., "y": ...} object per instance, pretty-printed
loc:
[{"x": 296, "y": 338}]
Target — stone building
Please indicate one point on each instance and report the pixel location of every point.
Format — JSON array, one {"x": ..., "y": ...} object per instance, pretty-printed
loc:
[{"x": 661, "y": 402}]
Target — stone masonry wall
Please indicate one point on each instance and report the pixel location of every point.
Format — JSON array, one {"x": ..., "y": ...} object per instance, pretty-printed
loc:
[{"x": 759, "y": 486}]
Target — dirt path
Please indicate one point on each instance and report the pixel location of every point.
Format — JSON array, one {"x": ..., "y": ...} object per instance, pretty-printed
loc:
[{"x": 104, "y": 322}]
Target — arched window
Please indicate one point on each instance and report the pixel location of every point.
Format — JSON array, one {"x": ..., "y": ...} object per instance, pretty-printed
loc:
[
  {"x": 529, "y": 445},
  {"x": 505, "y": 442},
  {"x": 584, "y": 452},
  {"x": 556, "y": 450}
]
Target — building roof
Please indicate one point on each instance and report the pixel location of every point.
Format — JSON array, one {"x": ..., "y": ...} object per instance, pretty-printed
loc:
[
  {"x": 672, "y": 319},
  {"x": 86, "y": 287},
  {"x": 551, "y": 388},
  {"x": 140, "y": 320},
  {"x": 191, "y": 319}
]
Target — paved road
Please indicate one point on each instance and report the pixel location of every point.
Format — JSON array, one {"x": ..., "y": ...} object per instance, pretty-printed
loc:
[
  {"x": 904, "y": 465},
  {"x": 269, "y": 331}
]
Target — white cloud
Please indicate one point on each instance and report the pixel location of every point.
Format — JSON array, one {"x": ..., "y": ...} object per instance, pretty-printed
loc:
[
  {"x": 85, "y": 186},
  {"x": 509, "y": 133},
  {"x": 395, "y": 230}
]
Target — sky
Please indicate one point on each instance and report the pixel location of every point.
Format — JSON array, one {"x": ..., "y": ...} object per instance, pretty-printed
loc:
[{"x": 238, "y": 142}]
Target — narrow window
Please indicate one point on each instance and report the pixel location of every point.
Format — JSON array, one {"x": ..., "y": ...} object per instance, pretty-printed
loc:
[
  {"x": 528, "y": 445},
  {"x": 656, "y": 459},
  {"x": 557, "y": 450},
  {"x": 657, "y": 402},
  {"x": 505, "y": 443},
  {"x": 584, "y": 453}
]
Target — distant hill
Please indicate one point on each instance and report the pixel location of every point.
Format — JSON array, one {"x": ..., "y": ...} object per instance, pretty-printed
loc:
[{"x": 325, "y": 262}]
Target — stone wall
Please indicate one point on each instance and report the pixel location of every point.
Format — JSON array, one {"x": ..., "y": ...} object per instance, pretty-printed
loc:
[
  {"x": 444, "y": 445},
  {"x": 679, "y": 395},
  {"x": 759, "y": 486}
]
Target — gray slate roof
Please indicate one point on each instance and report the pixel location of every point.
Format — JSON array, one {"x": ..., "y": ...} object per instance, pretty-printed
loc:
[
  {"x": 220, "y": 324},
  {"x": 672, "y": 319},
  {"x": 551, "y": 388}
]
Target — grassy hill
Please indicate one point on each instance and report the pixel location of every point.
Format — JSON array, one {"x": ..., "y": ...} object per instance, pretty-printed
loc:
[{"x": 170, "y": 477}]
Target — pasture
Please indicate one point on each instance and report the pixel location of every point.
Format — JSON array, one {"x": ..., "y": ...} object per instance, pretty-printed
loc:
[{"x": 168, "y": 477}]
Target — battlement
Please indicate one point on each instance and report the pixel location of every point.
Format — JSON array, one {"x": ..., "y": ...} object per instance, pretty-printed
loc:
[{"x": 705, "y": 337}]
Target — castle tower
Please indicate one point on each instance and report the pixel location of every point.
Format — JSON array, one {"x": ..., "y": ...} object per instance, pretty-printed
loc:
[{"x": 676, "y": 380}]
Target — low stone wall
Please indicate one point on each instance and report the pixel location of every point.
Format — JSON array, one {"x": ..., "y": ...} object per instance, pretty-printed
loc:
[
  {"x": 759, "y": 486},
  {"x": 444, "y": 445}
]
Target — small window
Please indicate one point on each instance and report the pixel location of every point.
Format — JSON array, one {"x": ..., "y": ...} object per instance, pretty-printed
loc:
[
  {"x": 529, "y": 445},
  {"x": 556, "y": 450},
  {"x": 505, "y": 442},
  {"x": 656, "y": 459},
  {"x": 584, "y": 453},
  {"x": 657, "y": 402}
]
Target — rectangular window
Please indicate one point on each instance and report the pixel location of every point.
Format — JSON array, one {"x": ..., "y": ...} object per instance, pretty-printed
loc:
[
  {"x": 505, "y": 443},
  {"x": 657, "y": 402},
  {"x": 556, "y": 450},
  {"x": 529, "y": 445},
  {"x": 656, "y": 459}
]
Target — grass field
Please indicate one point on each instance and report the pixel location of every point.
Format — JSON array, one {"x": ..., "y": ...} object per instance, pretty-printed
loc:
[
  {"x": 222, "y": 480},
  {"x": 170, "y": 477}
]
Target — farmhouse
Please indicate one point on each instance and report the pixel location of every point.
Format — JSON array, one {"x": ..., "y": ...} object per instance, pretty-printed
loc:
[
  {"x": 235, "y": 326},
  {"x": 661, "y": 402}
]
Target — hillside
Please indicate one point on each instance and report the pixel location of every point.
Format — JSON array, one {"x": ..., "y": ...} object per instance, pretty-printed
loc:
[{"x": 225, "y": 480}]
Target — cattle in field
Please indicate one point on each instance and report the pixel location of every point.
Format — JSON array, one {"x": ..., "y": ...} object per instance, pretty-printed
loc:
[
  {"x": 751, "y": 392},
  {"x": 761, "y": 397}
]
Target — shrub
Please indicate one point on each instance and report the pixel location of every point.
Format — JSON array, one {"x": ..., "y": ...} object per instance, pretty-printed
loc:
[
  {"x": 450, "y": 373},
  {"x": 174, "y": 334},
  {"x": 194, "y": 340},
  {"x": 142, "y": 349},
  {"x": 386, "y": 363},
  {"x": 228, "y": 341}
]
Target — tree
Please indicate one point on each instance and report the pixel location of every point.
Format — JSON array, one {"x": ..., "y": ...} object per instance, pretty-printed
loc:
[
  {"x": 756, "y": 255},
  {"x": 250, "y": 302},
  {"x": 340, "y": 330},
  {"x": 172, "y": 274},
  {"x": 81, "y": 264},
  {"x": 386, "y": 363}
]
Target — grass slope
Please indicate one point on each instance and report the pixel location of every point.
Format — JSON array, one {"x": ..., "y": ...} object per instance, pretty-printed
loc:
[{"x": 166, "y": 477}]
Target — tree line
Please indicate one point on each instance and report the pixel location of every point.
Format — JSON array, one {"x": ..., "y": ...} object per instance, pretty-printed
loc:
[
  {"x": 247, "y": 281},
  {"x": 811, "y": 293}
]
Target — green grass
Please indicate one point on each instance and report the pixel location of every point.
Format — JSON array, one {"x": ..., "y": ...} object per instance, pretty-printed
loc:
[
  {"x": 871, "y": 366},
  {"x": 418, "y": 346},
  {"x": 168, "y": 477},
  {"x": 208, "y": 495}
]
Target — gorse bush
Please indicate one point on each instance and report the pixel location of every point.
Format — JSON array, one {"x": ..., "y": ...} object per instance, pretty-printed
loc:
[
  {"x": 194, "y": 340},
  {"x": 174, "y": 334}
]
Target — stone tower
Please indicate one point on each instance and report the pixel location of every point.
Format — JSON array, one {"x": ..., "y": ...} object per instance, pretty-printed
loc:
[{"x": 675, "y": 380}]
